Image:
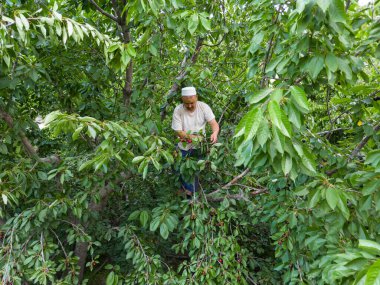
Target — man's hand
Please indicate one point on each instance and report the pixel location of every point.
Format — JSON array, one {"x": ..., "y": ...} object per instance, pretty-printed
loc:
[
  {"x": 214, "y": 137},
  {"x": 215, "y": 131}
]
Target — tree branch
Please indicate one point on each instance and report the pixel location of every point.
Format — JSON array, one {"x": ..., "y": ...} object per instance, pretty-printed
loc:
[
  {"x": 29, "y": 148},
  {"x": 240, "y": 196},
  {"x": 108, "y": 15},
  {"x": 232, "y": 182},
  {"x": 357, "y": 149},
  {"x": 362, "y": 143},
  {"x": 218, "y": 43},
  {"x": 269, "y": 53},
  {"x": 181, "y": 76}
]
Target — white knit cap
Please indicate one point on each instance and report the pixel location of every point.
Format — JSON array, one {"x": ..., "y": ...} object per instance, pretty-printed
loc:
[{"x": 189, "y": 91}]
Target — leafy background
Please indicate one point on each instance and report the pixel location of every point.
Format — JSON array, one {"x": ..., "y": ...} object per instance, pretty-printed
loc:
[{"x": 89, "y": 169}]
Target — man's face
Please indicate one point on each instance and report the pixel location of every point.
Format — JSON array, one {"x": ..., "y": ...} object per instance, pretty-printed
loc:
[{"x": 190, "y": 102}]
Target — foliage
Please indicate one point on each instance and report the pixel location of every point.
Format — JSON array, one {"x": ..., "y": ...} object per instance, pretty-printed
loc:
[{"x": 89, "y": 193}]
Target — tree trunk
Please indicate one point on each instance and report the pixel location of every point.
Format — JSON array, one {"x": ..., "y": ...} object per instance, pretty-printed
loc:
[
  {"x": 81, "y": 247},
  {"x": 81, "y": 252},
  {"x": 127, "y": 90}
]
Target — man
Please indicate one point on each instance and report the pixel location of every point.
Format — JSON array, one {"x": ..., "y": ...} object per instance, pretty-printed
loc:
[{"x": 189, "y": 123}]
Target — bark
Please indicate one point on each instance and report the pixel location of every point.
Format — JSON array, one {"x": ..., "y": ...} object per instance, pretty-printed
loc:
[
  {"x": 232, "y": 182},
  {"x": 363, "y": 142},
  {"x": 127, "y": 89},
  {"x": 356, "y": 150},
  {"x": 81, "y": 247},
  {"x": 181, "y": 75},
  {"x": 29, "y": 148},
  {"x": 119, "y": 19},
  {"x": 81, "y": 252},
  {"x": 241, "y": 196}
]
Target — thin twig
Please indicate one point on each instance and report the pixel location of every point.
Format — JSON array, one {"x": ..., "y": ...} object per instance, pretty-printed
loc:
[{"x": 112, "y": 17}]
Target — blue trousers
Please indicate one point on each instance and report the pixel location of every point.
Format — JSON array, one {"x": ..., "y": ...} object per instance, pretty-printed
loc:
[{"x": 193, "y": 184}]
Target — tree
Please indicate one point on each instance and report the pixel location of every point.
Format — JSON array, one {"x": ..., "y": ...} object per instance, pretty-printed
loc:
[{"x": 289, "y": 195}]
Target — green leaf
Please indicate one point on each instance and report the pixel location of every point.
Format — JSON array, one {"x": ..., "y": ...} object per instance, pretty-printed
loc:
[
  {"x": 337, "y": 12},
  {"x": 373, "y": 158},
  {"x": 153, "y": 50},
  {"x": 134, "y": 215},
  {"x": 369, "y": 246},
  {"x": 19, "y": 24},
  {"x": 278, "y": 118},
  {"x": 263, "y": 132},
  {"x": 342, "y": 205},
  {"x": 370, "y": 187},
  {"x": 286, "y": 164},
  {"x": 252, "y": 124},
  {"x": 343, "y": 65},
  {"x": 144, "y": 216},
  {"x": 110, "y": 278},
  {"x": 42, "y": 215},
  {"x": 299, "y": 99},
  {"x": 5, "y": 198},
  {"x": 24, "y": 21},
  {"x": 164, "y": 231},
  {"x": 145, "y": 172},
  {"x": 137, "y": 159},
  {"x": 272, "y": 65},
  {"x": 255, "y": 42},
  {"x": 300, "y": 6},
  {"x": 3, "y": 148},
  {"x": 154, "y": 224},
  {"x": 51, "y": 117},
  {"x": 42, "y": 175},
  {"x": 206, "y": 23},
  {"x": 323, "y": 4},
  {"x": 373, "y": 274},
  {"x": 156, "y": 164},
  {"x": 70, "y": 29},
  {"x": 314, "y": 66},
  {"x": 308, "y": 161},
  {"x": 315, "y": 198},
  {"x": 76, "y": 133},
  {"x": 331, "y": 62},
  {"x": 131, "y": 51},
  {"x": 91, "y": 132},
  {"x": 278, "y": 140},
  {"x": 125, "y": 58},
  {"x": 332, "y": 196},
  {"x": 260, "y": 95},
  {"x": 153, "y": 6},
  {"x": 7, "y": 59},
  {"x": 193, "y": 23},
  {"x": 294, "y": 115}
]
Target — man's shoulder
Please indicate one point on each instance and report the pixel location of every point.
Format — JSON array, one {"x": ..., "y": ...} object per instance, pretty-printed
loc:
[
  {"x": 203, "y": 106},
  {"x": 178, "y": 108}
]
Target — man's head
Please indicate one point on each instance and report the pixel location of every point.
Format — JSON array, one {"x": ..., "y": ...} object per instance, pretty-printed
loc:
[{"x": 189, "y": 98}]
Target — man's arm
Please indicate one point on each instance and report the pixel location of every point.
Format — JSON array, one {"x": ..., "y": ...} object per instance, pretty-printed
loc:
[
  {"x": 215, "y": 131},
  {"x": 185, "y": 136}
]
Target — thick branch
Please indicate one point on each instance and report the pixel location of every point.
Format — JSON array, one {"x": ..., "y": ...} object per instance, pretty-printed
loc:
[
  {"x": 331, "y": 131},
  {"x": 269, "y": 53},
  {"x": 108, "y": 15},
  {"x": 25, "y": 141},
  {"x": 30, "y": 149},
  {"x": 232, "y": 182},
  {"x": 181, "y": 76},
  {"x": 240, "y": 196},
  {"x": 363, "y": 142},
  {"x": 357, "y": 149}
]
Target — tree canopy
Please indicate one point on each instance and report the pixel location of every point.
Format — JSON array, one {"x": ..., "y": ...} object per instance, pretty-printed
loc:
[{"x": 89, "y": 169}]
